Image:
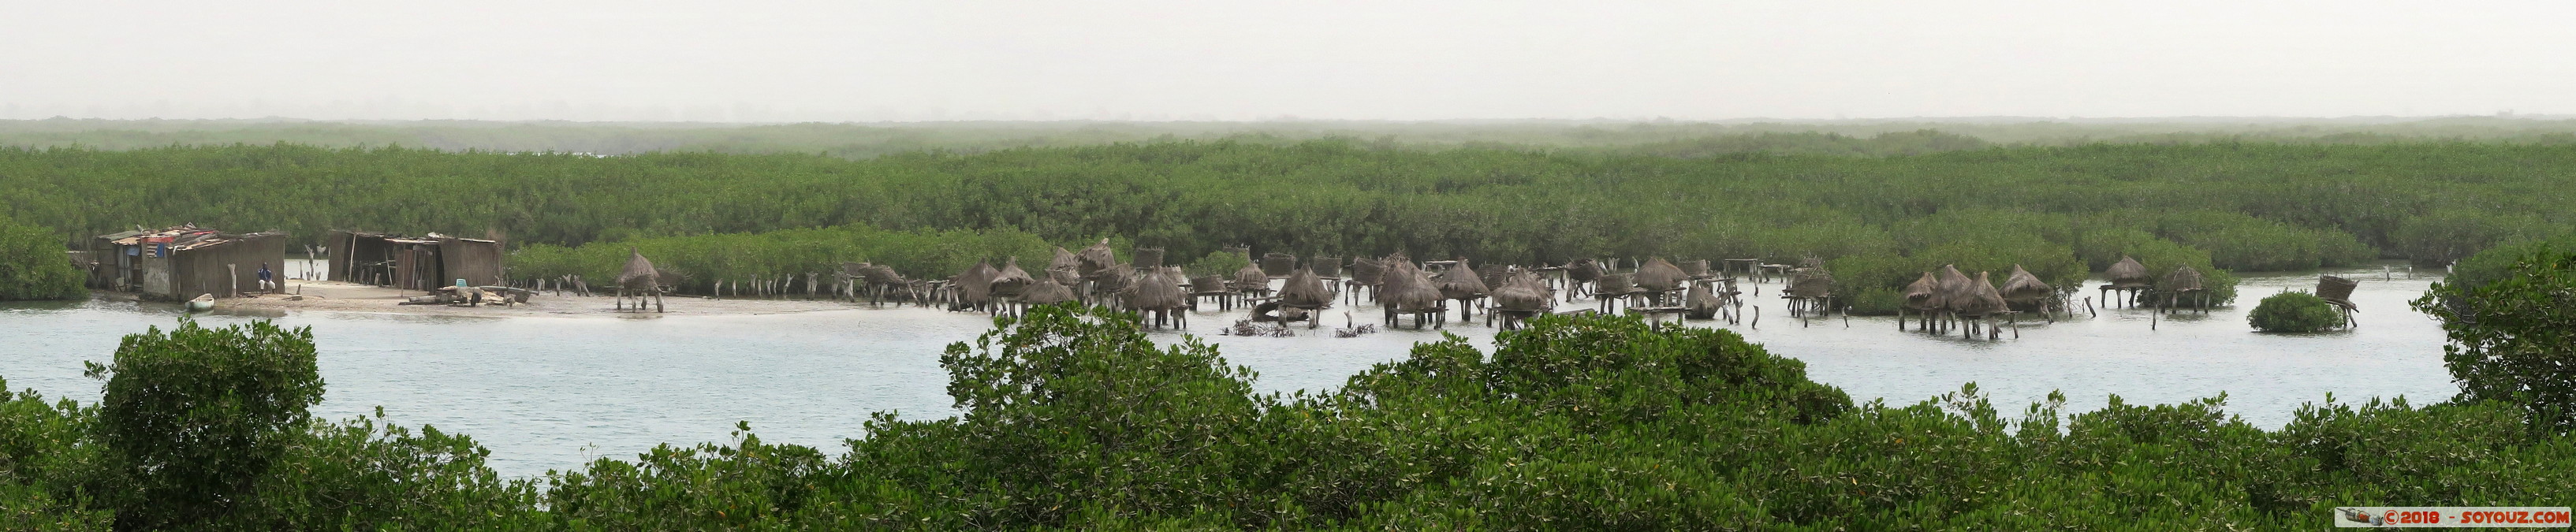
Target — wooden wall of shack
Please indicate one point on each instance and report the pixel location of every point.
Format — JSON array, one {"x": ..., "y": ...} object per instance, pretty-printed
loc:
[
  {"x": 412, "y": 263},
  {"x": 478, "y": 262},
  {"x": 226, "y": 269}
]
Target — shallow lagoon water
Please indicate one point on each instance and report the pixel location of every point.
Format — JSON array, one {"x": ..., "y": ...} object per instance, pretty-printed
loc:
[{"x": 552, "y": 393}]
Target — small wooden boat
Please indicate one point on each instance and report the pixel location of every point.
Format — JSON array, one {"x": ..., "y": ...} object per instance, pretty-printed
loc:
[{"x": 203, "y": 302}]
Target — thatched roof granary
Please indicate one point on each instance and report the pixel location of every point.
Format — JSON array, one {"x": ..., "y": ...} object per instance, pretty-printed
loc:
[
  {"x": 1157, "y": 289},
  {"x": 1147, "y": 257},
  {"x": 1250, "y": 278},
  {"x": 1409, "y": 289},
  {"x": 2337, "y": 290},
  {"x": 1695, "y": 268},
  {"x": 881, "y": 274},
  {"x": 639, "y": 272},
  {"x": 1046, "y": 292},
  {"x": 2024, "y": 290},
  {"x": 1584, "y": 270},
  {"x": 1010, "y": 281},
  {"x": 1522, "y": 292},
  {"x": 2128, "y": 273},
  {"x": 1976, "y": 298},
  {"x": 2183, "y": 279},
  {"x": 1811, "y": 282},
  {"x": 1208, "y": 285},
  {"x": 1278, "y": 264},
  {"x": 1924, "y": 294},
  {"x": 1613, "y": 285},
  {"x": 975, "y": 285},
  {"x": 1952, "y": 285},
  {"x": 1306, "y": 290},
  {"x": 1064, "y": 259},
  {"x": 1461, "y": 282},
  {"x": 1095, "y": 258},
  {"x": 1659, "y": 275},
  {"x": 1368, "y": 271},
  {"x": 1326, "y": 266},
  {"x": 1701, "y": 301}
]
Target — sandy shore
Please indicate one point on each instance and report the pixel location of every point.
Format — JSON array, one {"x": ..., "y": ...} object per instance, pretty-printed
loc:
[{"x": 328, "y": 296}]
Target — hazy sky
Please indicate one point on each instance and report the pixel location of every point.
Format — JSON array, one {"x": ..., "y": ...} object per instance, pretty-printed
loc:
[{"x": 1223, "y": 60}]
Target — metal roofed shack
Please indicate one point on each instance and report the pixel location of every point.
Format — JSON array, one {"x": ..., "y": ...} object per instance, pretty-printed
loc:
[{"x": 182, "y": 262}]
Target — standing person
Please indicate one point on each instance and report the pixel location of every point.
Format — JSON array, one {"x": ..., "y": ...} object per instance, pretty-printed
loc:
[{"x": 267, "y": 279}]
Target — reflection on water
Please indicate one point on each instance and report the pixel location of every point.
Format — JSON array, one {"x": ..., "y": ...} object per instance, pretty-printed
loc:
[{"x": 552, "y": 392}]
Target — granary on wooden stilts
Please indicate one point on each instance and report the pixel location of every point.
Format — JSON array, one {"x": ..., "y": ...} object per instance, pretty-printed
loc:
[
  {"x": 2184, "y": 289},
  {"x": 1304, "y": 296},
  {"x": 1923, "y": 297},
  {"x": 1521, "y": 296},
  {"x": 1811, "y": 290},
  {"x": 2338, "y": 291},
  {"x": 1461, "y": 283},
  {"x": 2024, "y": 292},
  {"x": 2130, "y": 279},
  {"x": 1409, "y": 290}
]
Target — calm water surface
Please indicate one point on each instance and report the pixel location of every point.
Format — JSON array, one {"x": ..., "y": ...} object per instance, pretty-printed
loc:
[{"x": 551, "y": 393}]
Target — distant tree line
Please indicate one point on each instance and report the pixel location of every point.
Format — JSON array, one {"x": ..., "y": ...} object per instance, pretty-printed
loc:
[{"x": 2245, "y": 206}]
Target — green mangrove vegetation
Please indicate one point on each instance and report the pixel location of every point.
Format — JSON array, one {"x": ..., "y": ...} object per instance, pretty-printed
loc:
[
  {"x": 1073, "y": 419},
  {"x": 33, "y": 266},
  {"x": 2294, "y": 312},
  {"x": 1876, "y": 220}
]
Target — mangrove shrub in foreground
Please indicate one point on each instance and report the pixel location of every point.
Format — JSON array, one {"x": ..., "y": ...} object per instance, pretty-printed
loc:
[{"x": 1074, "y": 419}]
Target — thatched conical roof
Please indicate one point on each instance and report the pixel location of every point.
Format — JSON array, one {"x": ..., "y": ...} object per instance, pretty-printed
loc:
[
  {"x": 2022, "y": 287},
  {"x": 1046, "y": 292},
  {"x": 1953, "y": 286},
  {"x": 2183, "y": 279},
  {"x": 1461, "y": 282},
  {"x": 1157, "y": 290},
  {"x": 881, "y": 274},
  {"x": 1811, "y": 281},
  {"x": 1064, "y": 259},
  {"x": 2336, "y": 289},
  {"x": 975, "y": 285},
  {"x": 1523, "y": 292},
  {"x": 2128, "y": 273},
  {"x": 1583, "y": 270},
  {"x": 1250, "y": 277},
  {"x": 1069, "y": 276},
  {"x": 1978, "y": 298},
  {"x": 1010, "y": 281},
  {"x": 1095, "y": 258},
  {"x": 1923, "y": 294},
  {"x": 1325, "y": 266},
  {"x": 1409, "y": 289},
  {"x": 639, "y": 272},
  {"x": 1695, "y": 268},
  {"x": 1305, "y": 289},
  {"x": 1208, "y": 284},
  {"x": 1701, "y": 300},
  {"x": 1659, "y": 275},
  {"x": 1146, "y": 257},
  {"x": 854, "y": 270}
]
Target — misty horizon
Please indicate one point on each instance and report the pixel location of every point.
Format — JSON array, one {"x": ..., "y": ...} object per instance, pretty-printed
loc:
[{"x": 1408, "y": 62}]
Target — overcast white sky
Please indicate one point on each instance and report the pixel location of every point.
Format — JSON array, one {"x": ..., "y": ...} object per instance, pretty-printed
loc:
[{"x": 1203, "y": 60}]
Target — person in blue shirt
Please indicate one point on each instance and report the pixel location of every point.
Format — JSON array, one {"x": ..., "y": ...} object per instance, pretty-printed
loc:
[{"x": 267, "y": 279}]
